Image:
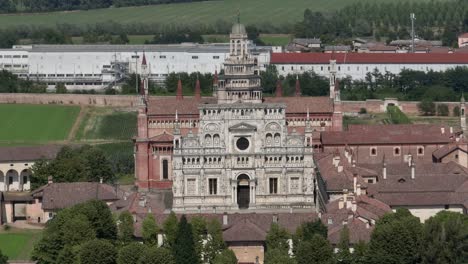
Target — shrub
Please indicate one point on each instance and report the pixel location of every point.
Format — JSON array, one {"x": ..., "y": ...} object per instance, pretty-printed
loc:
[
  {"x": 427, "y": 107},
  {"x": 397, "y": 116},
  {"x": 442, "y": 110},
  {"x": 363, "y": 110}
]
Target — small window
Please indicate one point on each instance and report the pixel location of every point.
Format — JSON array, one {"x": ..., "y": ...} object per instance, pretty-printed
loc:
[
  {"x": 273, "y": 185},
  {"x": 420, "y": 151},
  {"x": 195, "y": 57},
  {"x": 165, "y": 165},
  {"x": 213, "y": 186},
  {"x": 373, "y": 151},
  {"x": 163, "y": 57},
  {"x": 215, "y": 57},
  {"x": 396, "y": 151},
  {"x": 456, "y": 156}
]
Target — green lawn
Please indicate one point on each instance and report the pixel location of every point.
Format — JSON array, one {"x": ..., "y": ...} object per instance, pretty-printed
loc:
[
  {"x": 35, "y": 124},
  {"x": 107, "y": 124},
  {"x": 18, "y": 244},
  {"x": 276, "y": 12}
]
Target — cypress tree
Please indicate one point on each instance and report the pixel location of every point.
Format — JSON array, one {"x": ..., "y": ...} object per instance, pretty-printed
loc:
[{"x": 184, "y": 248}]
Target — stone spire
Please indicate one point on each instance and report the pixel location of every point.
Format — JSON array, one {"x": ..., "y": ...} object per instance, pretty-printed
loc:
[
  {"x": 279, "y": 89},
  {"x": 197, "y": 89},
  {"x": 298, "y": 86},
  {"x": 179, "y": 94}
]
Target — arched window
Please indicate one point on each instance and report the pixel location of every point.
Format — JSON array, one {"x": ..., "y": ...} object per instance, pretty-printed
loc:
[
  {"x": 208, "y": 140},
  {"x": 396, "y": 151},
  {"x": 268, "y": 139},
  {"x": 165, "y": 169},
  {"x": 216, "y": 140},
  {"x": 277, "y": 139}
]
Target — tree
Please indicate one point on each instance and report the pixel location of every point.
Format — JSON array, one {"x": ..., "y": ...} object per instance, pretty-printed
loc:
[
  {"x": 227, "y": 256},
  {"x": 98, "y": 252},
  {"x": 184, "y": 248},
  {"x": 125, "y": 227},
  {"x": 100, "y": 217},
  {"x": 445, "y": 238},
  {"x": 60, "y": 88},
  {"x": 427, "y": 107},
  {"x": 74, "y": 164},
  {"x": 215, "y": 243},
  {"x": 344, "y": 256},
  {"x": 269, "y": 78},
  {"x": 150, "y": 230},
  {"x": 3, "y": 258},
  {"x": 456, "y": 111},
  {"x": 317, "y": 250},
  {"x": 307, "y": 230},
  {"x": 199, "y": 231},
  {"x": 77, "y": 229},
  {"x": 442, "y": 110},
  {"x": 67, "y": 255},
  {"x": 277, "y": 238},
  {"x": 276, "y": 256},
  {"x": 170, "y": 230},
  {"x": 154, "y": 255},
  {"x": 130, "y": 253},
  {"x": 396, "y": 239}
]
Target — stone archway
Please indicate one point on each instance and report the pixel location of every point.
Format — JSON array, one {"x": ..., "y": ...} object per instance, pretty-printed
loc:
[
  {"x": 12, "y": 180},
  {"x": 24, "y": 180},
  {"x": 243, "y": 191}
]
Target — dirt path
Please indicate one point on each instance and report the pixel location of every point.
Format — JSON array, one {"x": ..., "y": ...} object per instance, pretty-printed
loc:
[{"x": 76, "y": 125}]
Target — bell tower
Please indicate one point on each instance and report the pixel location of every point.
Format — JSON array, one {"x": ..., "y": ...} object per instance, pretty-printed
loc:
[{"x": 241, "y": 81}]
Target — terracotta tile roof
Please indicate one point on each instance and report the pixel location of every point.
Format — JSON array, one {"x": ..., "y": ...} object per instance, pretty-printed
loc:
[
  {"x": 388, "y": 134},
  {"x": 434, "y": 184},
  {"x": 32, "y": 153},
  {"x": 164, "y": 137},
  {"x": 244, "y": 231},
  {"x": 62, "y": 195},
  {"x": 358, "y": 231},
  {"x": 335, "y": 180},
  {"x": 319, "y": 104},
  {"x": 463, "y": 35},
  {"x": 168, "y": 105},
  {"x": 362, "y": 58},
  {"x": 447, "y": 149}
]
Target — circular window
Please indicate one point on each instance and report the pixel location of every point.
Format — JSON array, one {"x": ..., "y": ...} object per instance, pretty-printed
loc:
[{"x": 242, "y": 143}]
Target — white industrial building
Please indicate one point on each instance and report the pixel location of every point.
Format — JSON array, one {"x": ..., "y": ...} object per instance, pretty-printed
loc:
[
  {"x": 98, "y": 66},
  {"x": 357, "y": 65}
]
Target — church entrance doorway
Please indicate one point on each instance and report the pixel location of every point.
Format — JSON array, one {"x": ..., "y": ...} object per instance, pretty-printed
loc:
[{"x": 243, "y": 191}]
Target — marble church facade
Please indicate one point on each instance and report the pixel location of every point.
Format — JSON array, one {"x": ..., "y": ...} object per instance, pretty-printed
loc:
[{"x": 236, "y": 150}]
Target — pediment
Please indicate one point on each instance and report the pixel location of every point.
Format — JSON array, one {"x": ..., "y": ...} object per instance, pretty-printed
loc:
[{"x": 243, "y": 127}]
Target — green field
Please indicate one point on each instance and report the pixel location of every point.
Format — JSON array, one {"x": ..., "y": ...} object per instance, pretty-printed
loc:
[
  {"x": 18, "y": 244},
  {"x": 107, "y": 124},
  {"x": 35, "y": 124},
  {"x": 275, "y": 12}
]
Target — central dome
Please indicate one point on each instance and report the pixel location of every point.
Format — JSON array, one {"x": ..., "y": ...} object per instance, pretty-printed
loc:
[{"x": 238, "y": 29}]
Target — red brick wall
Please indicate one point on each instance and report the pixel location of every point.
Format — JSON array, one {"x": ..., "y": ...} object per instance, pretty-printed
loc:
[{"x": 378, "y": 106}]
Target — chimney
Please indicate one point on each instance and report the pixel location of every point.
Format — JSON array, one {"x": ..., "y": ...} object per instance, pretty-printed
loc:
[
  {"x": 179, "y": 93},
  {"x": 225, "y": 219},
  {"x": 413, "y": 171},
  {"x": 100, "y": 180},
  {"x": 340, "y": 168},
  {"x": 442, "y": 130},
  {"x": 410, "y": 160},
  {"x": 451, "y": 130},
  {"x": 279, "y": 89},
  {"x": 340, "y": 203},
  {"x": 384, "y": 171},
  {"x": 50, "y": 180},
  {"x": 358, "y": 189},
  {"x": 345, "y": 197},
  {"x": 354, "y": 183},
  {"x": 197, "y": 90},
  {"x": 353, "y": 206},
  {"x": 298, "y": 86}
]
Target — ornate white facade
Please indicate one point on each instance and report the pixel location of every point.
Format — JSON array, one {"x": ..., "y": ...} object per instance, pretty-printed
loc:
[{"x": 241, "y": 155}]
